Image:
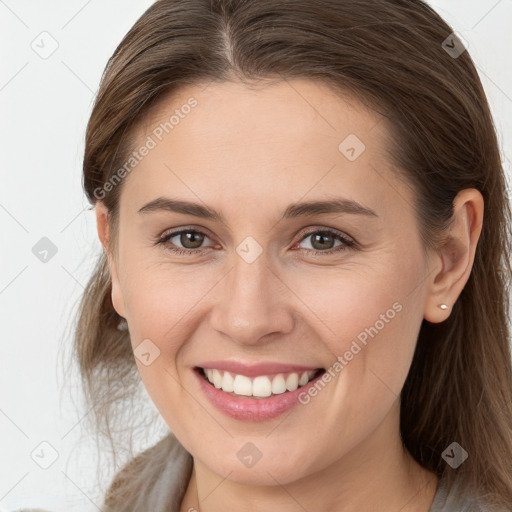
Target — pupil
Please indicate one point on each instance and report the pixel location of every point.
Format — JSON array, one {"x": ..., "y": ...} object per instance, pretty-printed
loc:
[
  {"x": 320, "y": 237},
  {"x": 189, "y": 237}
]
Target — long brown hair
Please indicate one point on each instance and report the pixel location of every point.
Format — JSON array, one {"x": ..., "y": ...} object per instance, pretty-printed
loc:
[{"x": 392, "y": 55}]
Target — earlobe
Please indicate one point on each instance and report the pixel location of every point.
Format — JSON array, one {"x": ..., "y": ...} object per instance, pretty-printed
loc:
[
  {"x": 116, "y": 296},
  {"x": 456, "y": 256},
  {"x": 102, "y": 226},
  {"x": 102, "y": 223}
]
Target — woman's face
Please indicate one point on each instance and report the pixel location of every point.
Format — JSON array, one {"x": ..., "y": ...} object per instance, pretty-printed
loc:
[{"x": 250, "y": 297}]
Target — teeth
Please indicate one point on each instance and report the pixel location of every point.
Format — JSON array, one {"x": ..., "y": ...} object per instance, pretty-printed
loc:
[
  {"x": 242, "y": 385},
  {"x": 261, "y": 386},
  {"x": 292, "y": 381},
  {"x": 228, "y": 382},
  {"x": 217, "y": 379},
  {"x": 303, "y": 379},
  {"x": 278, "y": 384}
]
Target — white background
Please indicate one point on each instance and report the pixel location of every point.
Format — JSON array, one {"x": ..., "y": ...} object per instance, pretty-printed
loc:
[{"x": 45, "y": 106}]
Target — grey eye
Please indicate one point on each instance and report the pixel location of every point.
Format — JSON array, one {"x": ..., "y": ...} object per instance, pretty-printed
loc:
[{"x": 320, "y": 240}]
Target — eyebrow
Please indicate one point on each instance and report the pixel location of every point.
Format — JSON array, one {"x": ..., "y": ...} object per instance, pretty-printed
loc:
[{"x": 294, "y": 210}]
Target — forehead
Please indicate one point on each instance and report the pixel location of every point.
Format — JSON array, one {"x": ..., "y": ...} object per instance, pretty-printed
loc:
[
  {"x": 291, "y": 138},
  {"x": 285, "y": 112}
]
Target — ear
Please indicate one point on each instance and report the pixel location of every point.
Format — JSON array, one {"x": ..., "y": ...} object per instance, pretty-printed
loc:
[
  {"x": 454, "y": 259},
  {"x": 102, "y": 226}
]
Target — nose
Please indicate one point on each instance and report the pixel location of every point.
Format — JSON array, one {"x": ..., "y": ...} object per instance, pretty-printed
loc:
[{"x": 253, "y": 303}]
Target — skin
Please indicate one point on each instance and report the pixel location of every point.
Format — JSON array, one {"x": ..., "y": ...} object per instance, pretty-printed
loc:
[{"x": 249, "y": 153}]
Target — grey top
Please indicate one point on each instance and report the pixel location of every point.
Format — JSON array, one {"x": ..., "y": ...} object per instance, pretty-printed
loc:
[
  {"x": 444, "y": 502},
  {"x": 168, "y": 488}
]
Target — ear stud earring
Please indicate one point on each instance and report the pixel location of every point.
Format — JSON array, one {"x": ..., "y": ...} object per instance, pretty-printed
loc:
[{"x": 443, "y": 306}]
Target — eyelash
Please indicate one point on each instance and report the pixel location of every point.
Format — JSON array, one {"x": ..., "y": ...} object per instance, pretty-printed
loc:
[{"x": 346, "y": 242}]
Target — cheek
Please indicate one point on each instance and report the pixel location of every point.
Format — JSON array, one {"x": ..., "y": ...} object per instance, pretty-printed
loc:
[
  {"x": 370, "y": 323},
  {"x": 357, "y": 300},
  {"x": 160, "y": 305},
  {"x": 369, "y": 317},
  {"x": 160, "y": 302}
]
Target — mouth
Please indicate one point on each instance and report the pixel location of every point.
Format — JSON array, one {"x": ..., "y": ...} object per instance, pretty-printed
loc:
[{"x": 257, "y": 386}]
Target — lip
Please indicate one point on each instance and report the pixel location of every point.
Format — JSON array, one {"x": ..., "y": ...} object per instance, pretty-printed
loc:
[
  {"x": 255, "y": 369},
  {"x": 252, "y": 409}
]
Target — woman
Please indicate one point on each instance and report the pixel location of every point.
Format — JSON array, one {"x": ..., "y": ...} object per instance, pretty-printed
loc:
[{"x": 306, "y": 260}]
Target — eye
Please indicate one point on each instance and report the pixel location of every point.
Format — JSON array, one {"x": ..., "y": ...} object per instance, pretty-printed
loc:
[
  {"x": 190, "y": 240},
  {"x": 323, "y": 241}
]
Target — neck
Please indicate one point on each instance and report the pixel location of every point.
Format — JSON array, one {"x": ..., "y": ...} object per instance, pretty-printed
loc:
[{"x": 378, "y": 474}]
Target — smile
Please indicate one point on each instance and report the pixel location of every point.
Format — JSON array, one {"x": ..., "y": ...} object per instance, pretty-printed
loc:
[
  {"x": 261, "y": 386},
  {"x": 256, "y": 393}
]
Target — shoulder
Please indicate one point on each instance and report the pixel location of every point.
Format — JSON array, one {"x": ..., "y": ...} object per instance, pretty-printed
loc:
[{"x": 456, "y": 496}]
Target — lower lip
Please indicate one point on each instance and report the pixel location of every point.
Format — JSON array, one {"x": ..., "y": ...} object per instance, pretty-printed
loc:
[{"x": 252, "y": 409}]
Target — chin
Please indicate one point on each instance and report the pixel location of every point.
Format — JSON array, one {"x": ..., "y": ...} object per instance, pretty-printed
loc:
[{"x": 269, "y": 472}]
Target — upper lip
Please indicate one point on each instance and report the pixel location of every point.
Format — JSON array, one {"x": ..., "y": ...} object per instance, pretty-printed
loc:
[{"x": 255, "y": 369}]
